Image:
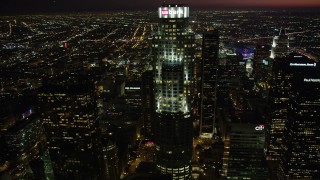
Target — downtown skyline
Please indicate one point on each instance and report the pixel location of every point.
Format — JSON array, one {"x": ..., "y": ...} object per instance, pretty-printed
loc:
[{"x": 115, "y": 90}]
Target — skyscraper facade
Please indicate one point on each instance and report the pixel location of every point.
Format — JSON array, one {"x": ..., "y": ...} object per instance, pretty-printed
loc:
[
  {"x": 210, "y": 52},
  {"x": 147, "y": 97},
  {"x": 26, "y": 146},
  {"x": 173, "y": 53},
  {"x": 279, "y": 102},
  {"x": 110, "y": 160},
  {"x": 244, "y": 151},
  {"x": 299, "y": 155},
  {"x": 278, "y": 95},
  {"x": 68, "y": 112},
  {"x": 23, "y": 144},
  {"x": 280, "y": 44}
]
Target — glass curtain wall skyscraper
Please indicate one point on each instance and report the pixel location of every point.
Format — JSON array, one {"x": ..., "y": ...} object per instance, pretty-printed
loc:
[
  {"x": 299, "y": 150},
  {"x": 68, "y": 111},
  {"x": 173, "y": 53},
  {"x": 280, "y": 44},
  {"x": 278, "y": 95},
  {"x": 210, "y": 51}
]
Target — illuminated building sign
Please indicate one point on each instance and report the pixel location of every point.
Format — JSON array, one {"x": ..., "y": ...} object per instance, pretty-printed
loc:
[
  {"x": 164, "y": 12},
  {"x": 173, "y": 12},
  {"x": 127, "y": 88},
  {"x": 311, "y": 80},
  {"x": 304, "y": 64},
  {"x": 259, "y": 128}
]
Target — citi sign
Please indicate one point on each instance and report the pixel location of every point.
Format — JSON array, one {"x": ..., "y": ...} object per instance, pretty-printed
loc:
[
  {"x": 171, "y": 12},
  {"x": 259, "y": 128}
]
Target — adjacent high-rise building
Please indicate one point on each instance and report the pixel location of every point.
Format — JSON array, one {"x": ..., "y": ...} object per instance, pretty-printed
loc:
[
  {"x": 280, "y": 44},
  {"x": 209, "y": 72},
  {"x": 300, "y": 142},
  {"x": 147, "y": 97},
  {"x": 23, "y": 153},
  {"x": 244, "y": 148},
  {"x": 110, "y": 160},
  {"x": 278, "y": 94},
  {"x": 173, "y": 53},
  {"x": 279, "y": 102},
  {"x": 27, "y": 151},
  {"x": 68, "y": 112}
]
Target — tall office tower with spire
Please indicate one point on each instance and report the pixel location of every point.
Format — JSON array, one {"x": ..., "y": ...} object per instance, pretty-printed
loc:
[
  {"x": 209, "y": 72},
  {"x": 280, "y": 44},
  {"x": 173, "y": 53}
]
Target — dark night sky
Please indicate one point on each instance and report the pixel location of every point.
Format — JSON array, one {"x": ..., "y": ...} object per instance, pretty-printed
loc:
[{"x": 12, "y": 6}]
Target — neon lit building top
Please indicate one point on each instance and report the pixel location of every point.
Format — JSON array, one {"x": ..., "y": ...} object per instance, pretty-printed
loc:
[{"x": 173, "y": 11}]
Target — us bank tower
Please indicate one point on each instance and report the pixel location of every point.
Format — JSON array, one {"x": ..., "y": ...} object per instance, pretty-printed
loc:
[{"x": 173, "y": 55}]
